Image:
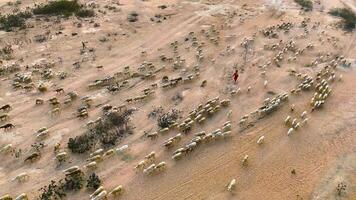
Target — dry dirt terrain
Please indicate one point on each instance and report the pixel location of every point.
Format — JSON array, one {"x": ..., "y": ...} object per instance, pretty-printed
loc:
[{"x": 182, "y": 57}]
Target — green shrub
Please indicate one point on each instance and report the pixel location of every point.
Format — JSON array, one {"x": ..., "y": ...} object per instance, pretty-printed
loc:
[
  {"x": 63, "y": 7},
  {"x": 347, "y": 15},
  {"x": 15, "y": 20},
  {"x": 85, "y": 13},
  {"x": 112, "y": 127},
  {"x": 93, "y": 182},
  {"x": 306, "y": 4},
  {"x": 167, "y": 119}
]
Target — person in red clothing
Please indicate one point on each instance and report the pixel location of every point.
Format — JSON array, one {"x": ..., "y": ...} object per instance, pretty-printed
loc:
[{"x": 235, "y": 75}]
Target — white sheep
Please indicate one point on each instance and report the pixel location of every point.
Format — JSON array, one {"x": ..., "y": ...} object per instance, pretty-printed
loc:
[
  {"x": 117, "y": 191},
  {"x": 177, "y": 156},
  {"x": 290, "y": 131},
  {"x": 92, "y": 165},
  {"x": 22, "y": 177},
  {"x": 123, "y": 149},
  {"x": 151, "y": 156},
  {"x": 287, "y": 121},
  {"x": 161, "y": 166},
  {"x": 7, "y": 149},
  {"x": 229, "y": 114},
  {"x": 100, "y": 196},
  {"x": 231, "y": 185},
  {"x": 244, "y": 160},
  {"x": 22, "y": 196},
  {"x": 97, "y": 192},
  {"x": 261, "y": 140},
  {"x": 150, "y": 169},
  {"x": 265, "y": 84},
  {"x": 141, "y": 165}
]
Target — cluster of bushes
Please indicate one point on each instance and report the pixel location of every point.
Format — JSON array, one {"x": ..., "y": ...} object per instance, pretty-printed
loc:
[
  {"x": 167, "y": 119},
  {"x": 347, "y": 15},
  {"x": 112, "y": 127},
  {"x": 60, "y": 7},
  {"x": 74, "y": 182},
  {"x": 15, "y": 20},
  {"x": 307, "y": 5},
  {"x": 63, "y": 7}
]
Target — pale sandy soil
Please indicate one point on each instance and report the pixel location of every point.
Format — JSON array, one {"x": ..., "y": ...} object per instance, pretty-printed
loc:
[{"x": 323, "y": 152}]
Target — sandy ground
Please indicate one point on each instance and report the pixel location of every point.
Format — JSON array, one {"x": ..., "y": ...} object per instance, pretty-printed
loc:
[{"x": 323, "y": 152}]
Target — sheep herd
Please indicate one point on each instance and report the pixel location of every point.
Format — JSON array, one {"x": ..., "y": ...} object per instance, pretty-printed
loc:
[{"x": 157, "y": 80}]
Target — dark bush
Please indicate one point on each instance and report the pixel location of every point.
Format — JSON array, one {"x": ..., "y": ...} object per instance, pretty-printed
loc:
[
  {"x": 93, "y": 182},
  {"x": 61, "y": 7},
  {"x": 112, "y": 127},
  {"x": 74, "y": 182},
  {"x": 306, "y": 4},
  {"x": 16, "y": 20},
  {"x": 167, "y": 119},
  {"x": 132, "y": 17},
  {"x": 85, "y": 13},
  {"x": 52, "y": 192},
  {"x": 347, "y": 15},
  {"x": 81, "y": 144}
]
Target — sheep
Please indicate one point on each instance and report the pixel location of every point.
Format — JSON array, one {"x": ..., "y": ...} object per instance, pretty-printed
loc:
[
  {"x": 151, "y": 156},
  {"x": 4, "y": 117},
  {"x": 117, "y": 191},
  {"x": 92, "y": 165},
  {"x": 244, "y": 160},
  {"x": 265, "y": 84},
  {"x": 55, "y": 111},
  {"x": 303, "y": 115},
  {"x": 22, "y": 196},
  {"x": 248, "y": 88},
  {"x": 149, "y": 170},
  {"x": 22, "y": 177},
  {"x": 290, "y": 131},
  {"x": 6, "y": 197},
  {"x": 71, "y": 170},
  {"x": 294, "y": 122},
  {"x": 292, "y": 107},
  {"x": 97, "y": 158},
  {"x": 7, "y": 126},
  {"x": 177, "y": 156},
  {"x": 97, "y": 152},
  {"x": 161, "y": 166},
  {"x": 231, "y": 186},
  {"x": 61, "y": 157},
  {"x": 122, "y": 150},
  {"x": 226, "y": 128},
  {"x": 102, "y": 195},
  {"x": 229, "y": 114},
  {"x": 141, "y": 165},
  {"x": 109, "y": 153},
  {"x": 287, "y": 121},
  {"x": 32, "y": 157},
  {"x": 261, "y": 140},
  {"x": 5, "y": 107},
  {"x": 96, "y": 192},
  {"x": 7, "y": 149}
]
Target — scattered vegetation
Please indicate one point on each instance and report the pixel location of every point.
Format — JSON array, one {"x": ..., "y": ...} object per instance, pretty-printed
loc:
[
  {"x": 52, "y": 191},
  {"x": 347, "y": 15},
  {"x": 112, "y": 127},
  {"x": 15, "y": 20},
  {"x": 132, "y": 17},
  {"x": 73, "y": 182},
  {"x": 93, "y": 182},
  {"x": 307, "y": 5},
  {"x": 167, "y": 119},
  {"x": 155, "y": 112},
  {"x": 63, "y": 7},
  {"x": 85, "y": 13},
  {"x": 340, "y": 189}
]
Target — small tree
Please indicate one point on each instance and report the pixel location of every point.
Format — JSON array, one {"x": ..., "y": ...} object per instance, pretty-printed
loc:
[{"x": 93, "y": 182}]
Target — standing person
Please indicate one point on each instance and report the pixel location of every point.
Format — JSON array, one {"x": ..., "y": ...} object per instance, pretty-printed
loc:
[{"x": 236, "y": 75}]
